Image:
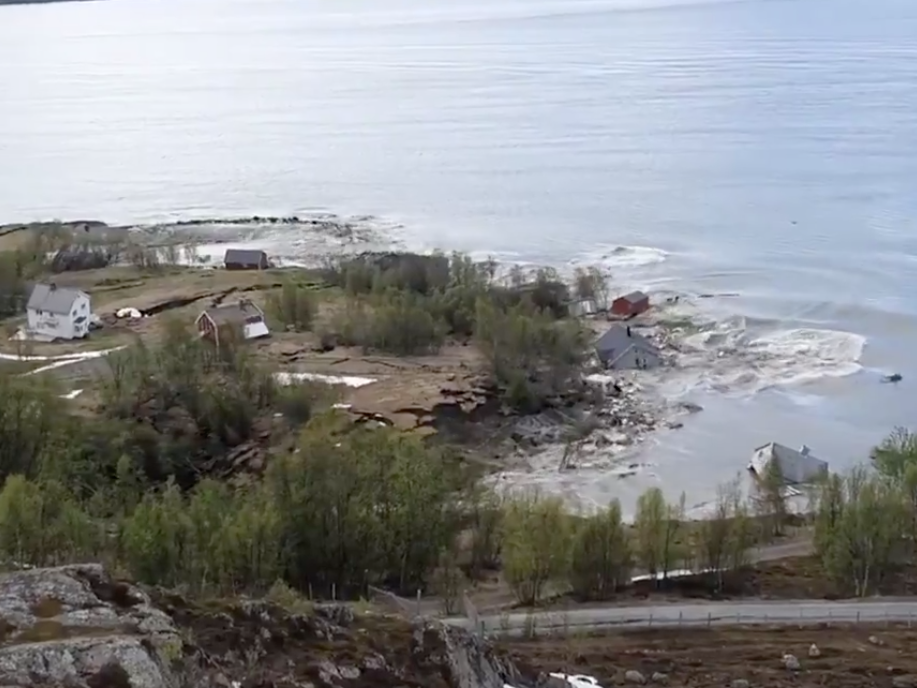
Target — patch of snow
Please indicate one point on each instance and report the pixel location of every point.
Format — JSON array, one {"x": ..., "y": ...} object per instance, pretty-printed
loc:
[
  {"x": 578, "y": 680},
  {"x": 59, "y": 361},
  {"x": 72, "y": 395},
  {"x": 128, "y": 313},
  {"x": 349, "y": 380}
]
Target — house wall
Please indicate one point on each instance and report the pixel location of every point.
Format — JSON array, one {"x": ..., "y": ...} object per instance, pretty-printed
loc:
[
  {"x": 262, "y": 264},
  {"x": 622, "y": 306},
  {"x": 62, "y": 326}
]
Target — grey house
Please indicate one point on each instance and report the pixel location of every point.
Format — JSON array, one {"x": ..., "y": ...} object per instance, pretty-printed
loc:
[
  {"x": 796, "y": 466},
  {"x": 620, "y": 348}
]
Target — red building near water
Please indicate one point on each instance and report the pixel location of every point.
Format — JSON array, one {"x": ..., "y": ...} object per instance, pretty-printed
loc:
[{"x": 629, "y": 305}]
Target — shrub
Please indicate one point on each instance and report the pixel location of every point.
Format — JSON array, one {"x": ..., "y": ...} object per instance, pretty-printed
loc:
[
  {"x": 294, "y": 307},
  {"x": 403, "y": 325}
]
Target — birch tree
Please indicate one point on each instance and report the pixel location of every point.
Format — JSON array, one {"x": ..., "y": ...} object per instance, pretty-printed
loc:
[
  {"x": 858, "y": 529},
  {"x": 601, "y": 560},
  {"x": 535, "y": 544}
]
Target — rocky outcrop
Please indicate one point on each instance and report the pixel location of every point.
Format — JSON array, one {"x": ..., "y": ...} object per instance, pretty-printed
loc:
[{"x": 76, "y": 627}]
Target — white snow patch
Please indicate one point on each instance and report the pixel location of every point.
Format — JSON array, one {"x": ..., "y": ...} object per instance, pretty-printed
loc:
[
  {"x": 60, "y": 361},
  {"x": 578, "y": 680},
  {"x": 349, "y": 380},
  {"x": 72, "y": 395},
  {"x": 128, "y": 313}
]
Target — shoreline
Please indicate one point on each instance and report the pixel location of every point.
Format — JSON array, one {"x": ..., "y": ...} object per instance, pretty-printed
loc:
[{"x": 681, "y": 328}]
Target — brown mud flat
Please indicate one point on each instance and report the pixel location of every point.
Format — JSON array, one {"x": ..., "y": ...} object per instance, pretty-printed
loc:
[{"x": 849, "y": 656}]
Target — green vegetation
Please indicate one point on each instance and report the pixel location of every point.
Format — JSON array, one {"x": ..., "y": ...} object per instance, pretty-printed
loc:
[
  {"x": 148, "y": 482},
  {"x": 866, "y": 520},
  {"x": 407, "y": 304},
  {"x": 294, "y": 308}
]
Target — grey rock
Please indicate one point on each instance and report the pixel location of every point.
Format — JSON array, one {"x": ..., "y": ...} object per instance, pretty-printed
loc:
[
  {"x": 72, "y": 661},
  {"x": 470, "y": 660},
  {"x": 634, "y": 676},
  {"x": 791, "y": 662},
  {"x": 375, "y": 662},
  {"x": 875, "y": 640},
  {"x": 659, "y": 677},
  {"x": 814, "y": 651},
  {"x": 739, "y": 683},
  {"x": 328, "y": 672},
  {"x": 71, "y": 622},
  {"x": 908, "y": 681}
]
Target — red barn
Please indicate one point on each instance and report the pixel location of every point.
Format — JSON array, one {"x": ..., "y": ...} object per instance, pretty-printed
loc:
[{"x": 629, "y": 305}]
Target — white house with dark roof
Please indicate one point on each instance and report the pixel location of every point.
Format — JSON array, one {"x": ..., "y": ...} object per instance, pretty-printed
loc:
[
  {"x": 620, "y": 348},
  {"x": 58, "y": 312}
]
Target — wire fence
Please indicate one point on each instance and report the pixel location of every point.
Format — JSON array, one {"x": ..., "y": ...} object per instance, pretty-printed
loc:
[{"x": 585, "y": 621}]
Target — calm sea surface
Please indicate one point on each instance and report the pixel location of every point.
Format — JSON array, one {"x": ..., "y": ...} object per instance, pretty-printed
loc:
[{"x": 766, "y": 148}]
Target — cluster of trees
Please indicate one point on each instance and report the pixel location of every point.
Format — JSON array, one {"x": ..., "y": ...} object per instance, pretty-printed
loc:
[
  {"x": 346, "y": 509},
  {"x": 172, "y": 411},
  {"x": 351, "y": 507},
  {"x": 866, "y": 520},
  {"x": 17, "y": 270},
  {"x": 409, "y": 304},
  {"x": 594, "y": 557}
]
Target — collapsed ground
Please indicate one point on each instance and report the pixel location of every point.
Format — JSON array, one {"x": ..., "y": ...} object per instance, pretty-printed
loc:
[{"x": 407, "y": 391}]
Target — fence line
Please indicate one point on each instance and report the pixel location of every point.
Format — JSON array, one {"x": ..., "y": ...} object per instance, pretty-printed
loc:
[
  {"x": 471, "y": 612},
  {"x": 561, "y": 623},
  {"x": 392, "y": 602}
]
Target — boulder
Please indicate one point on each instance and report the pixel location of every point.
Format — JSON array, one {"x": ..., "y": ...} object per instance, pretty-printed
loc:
[
  {"x": 814, "y": 651},
  {"x": 470, "y": 661},
  {"x": 634, "y": 676},
  {"x": 791, "y": 662}
]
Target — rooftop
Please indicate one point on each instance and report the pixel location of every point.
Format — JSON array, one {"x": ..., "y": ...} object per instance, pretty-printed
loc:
[
  {"x": 53, "y": 299},
  {"x": 634, "y": 296},
  {"x": 233, "y": 312},
  {"x": 619, "y": 337}
]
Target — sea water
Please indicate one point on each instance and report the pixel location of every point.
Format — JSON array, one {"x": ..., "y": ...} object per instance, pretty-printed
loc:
[{"x": 763, "y": 150}]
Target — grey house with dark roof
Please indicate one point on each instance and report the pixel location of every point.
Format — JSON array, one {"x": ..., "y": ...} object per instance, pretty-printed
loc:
[
  {"x": 58, "y": 313},
  {"x": 245, "y": 259},
  {"x": 620, "y": 348}
]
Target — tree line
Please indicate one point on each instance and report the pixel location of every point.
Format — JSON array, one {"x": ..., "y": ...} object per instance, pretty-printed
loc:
[{"x": 352, "y": 507}]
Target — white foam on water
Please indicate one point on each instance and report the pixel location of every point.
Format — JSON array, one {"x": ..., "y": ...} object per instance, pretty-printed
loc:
[
  {"x": 741, "y": 356},
  {"x": 622, "y": 257}
]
